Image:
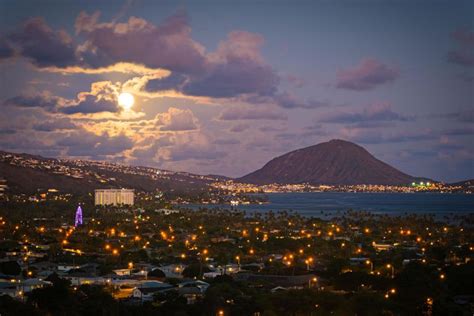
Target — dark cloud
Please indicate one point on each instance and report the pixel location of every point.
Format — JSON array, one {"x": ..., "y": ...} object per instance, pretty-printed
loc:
[
  {"x": 234, "y": 78},
  {"x": 101, "y": 98},
  {"x": 374, "y": 113},
  {"x": 54, "y": 125},
  {"x": 466, "y": 116},
  {"x": 284, "y": 100},
  {"x": 236, "y": 68},
  {"x": 167, "y": 46},
  {"x": 92, "y": 104},
  {"x": 290, "y": 101},
  {"x": 41, "y": 100},
  {"x": 44, "y": 46},
  {"x": 250, "y": 113},
  {"x": 7, "y": 131},
  {"x": 175, "y": 81},
  {"x": 366, "y": 76},
  {"x": 23, "y": 142}
]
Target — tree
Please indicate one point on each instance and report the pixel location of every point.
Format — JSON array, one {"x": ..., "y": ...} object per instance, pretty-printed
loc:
[
  {"x": 60, "y": 299},
  {"x": 415, "y": 283},
  {"x": 336, "y": 265},
  {"x": 156, "y": 273},
  {"x": 10, "y": 306},
  {"x": 194, "y": 270},
  {"x": 294, "y": 302},
  {"x": 10, "y": 268},
  {"x": 96, "y": 301},
  {"x": 459, "y": 279},
  {"x": 370, "y": 303},
  {"x": 56, "y": 299}
]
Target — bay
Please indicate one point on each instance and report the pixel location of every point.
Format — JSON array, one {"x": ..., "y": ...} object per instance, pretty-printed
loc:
[{"x": 329, "y": 204}]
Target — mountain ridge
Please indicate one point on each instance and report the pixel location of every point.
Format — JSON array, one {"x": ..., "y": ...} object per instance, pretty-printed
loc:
[{"x": 26, "y": 173}]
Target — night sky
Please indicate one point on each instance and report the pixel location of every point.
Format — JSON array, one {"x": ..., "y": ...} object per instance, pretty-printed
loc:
[{"x": 221, "y": 87}]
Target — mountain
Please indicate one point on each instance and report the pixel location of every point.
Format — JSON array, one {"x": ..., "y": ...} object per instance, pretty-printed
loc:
[
  {"x": 335, "y": 162},
  {"x": 26, "y": 173}
]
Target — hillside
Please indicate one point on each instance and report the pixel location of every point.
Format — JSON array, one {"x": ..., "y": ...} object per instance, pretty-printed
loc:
[
  {"x": 28, "y": 174},
  {"x": 336, "y": 162}
]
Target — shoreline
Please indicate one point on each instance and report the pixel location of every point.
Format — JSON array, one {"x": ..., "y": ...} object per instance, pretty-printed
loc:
[{"x": 335, "y": 203}]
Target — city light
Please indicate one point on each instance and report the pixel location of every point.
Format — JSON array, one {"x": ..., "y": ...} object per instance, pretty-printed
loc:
[{"x": 236, "y": 157}]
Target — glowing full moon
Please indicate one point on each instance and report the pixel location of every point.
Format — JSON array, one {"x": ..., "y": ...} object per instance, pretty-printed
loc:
[{"x": 126, "y": 100}]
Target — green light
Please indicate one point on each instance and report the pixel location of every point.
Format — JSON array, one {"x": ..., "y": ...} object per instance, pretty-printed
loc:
[{"x": 413, "y": 184}]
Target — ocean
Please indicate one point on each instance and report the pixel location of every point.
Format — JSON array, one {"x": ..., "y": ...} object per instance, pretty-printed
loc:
[{"x": 330, "y": 204}]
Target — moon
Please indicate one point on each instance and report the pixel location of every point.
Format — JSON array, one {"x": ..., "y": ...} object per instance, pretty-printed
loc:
[{"x": 126, "y": 100}]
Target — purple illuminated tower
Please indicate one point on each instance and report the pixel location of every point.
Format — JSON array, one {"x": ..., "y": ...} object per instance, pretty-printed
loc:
[{"x": 78, "y": 216}]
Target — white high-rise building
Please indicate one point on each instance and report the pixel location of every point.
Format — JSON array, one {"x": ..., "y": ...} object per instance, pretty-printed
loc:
[{"x": 114, "y": 197}]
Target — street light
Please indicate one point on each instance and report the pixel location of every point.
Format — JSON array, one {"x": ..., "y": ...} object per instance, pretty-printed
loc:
[
  {"x": 312, "y": 281},
  {"x": 238, "y": 261},
  {"x": 368, "y": 262},
  {"x": 389, "y": 266}
]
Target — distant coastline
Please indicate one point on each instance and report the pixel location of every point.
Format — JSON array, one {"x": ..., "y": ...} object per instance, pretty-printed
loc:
[{"x": 333, "y": 203}]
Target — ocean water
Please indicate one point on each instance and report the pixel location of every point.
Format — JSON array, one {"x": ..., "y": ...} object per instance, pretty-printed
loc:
[{"x": 324, "y": 204}]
